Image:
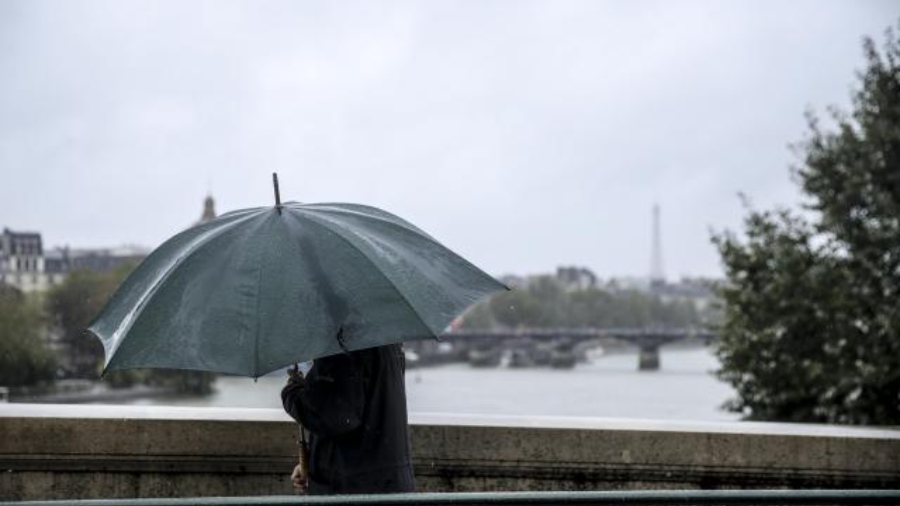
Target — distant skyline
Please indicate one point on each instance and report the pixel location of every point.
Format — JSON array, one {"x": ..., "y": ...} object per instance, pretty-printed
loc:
[{"x": 523, "y": 135}]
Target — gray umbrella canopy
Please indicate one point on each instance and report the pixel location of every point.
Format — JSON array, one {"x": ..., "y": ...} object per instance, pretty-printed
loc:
[{"x": 258, "y": 289}]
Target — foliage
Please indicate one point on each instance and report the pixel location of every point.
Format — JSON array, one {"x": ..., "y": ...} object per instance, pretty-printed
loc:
[
  {"x": 811, "y": 320},
  {"x": 73, "y": 304},
  {"x": 544, "y": 303},
  {"x": 24, "y": 358}
]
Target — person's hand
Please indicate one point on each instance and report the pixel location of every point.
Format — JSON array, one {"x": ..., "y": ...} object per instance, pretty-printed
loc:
[
  {"x": 299, "y": 479},
  {"x": 294, "y": 375}
]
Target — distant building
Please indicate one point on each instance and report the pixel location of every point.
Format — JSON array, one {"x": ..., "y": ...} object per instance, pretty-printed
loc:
[
  {"x": 56, "y": 265},
  {"x": 67, "y": 260},
  {"x": 576, "y": 278},
  {"x": 626, "y": 284},
  {"x": 22, "y": 261},
  {"x": 698, "y": 291},
  {"x": 25, "y": 265}
]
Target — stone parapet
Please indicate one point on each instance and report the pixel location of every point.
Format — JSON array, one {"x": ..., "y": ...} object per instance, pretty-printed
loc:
[{"x": 66, "y": 452}]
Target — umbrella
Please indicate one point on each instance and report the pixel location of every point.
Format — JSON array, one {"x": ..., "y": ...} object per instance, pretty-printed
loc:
[{"x": 255, "y": 290}]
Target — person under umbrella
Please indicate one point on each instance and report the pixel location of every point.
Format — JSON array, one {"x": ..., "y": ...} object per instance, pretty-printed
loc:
[
  {"x": 258, "y": 289},
  {"x": 354, "y": 405}
]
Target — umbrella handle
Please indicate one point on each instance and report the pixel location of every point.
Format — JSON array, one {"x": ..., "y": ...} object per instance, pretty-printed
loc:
[
  {"x": 302, "y": 449},
  {"x": 303, "y": 461}
]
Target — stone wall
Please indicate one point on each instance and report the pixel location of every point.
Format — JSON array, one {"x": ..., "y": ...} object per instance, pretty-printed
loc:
[{"x": 65, "y": 452}]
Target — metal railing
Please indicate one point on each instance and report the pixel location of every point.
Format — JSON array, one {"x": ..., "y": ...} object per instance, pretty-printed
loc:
[{"x": 642, "y": 498}]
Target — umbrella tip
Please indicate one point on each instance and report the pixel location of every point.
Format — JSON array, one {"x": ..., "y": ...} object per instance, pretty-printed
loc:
[{"x": 277, "y": 193}]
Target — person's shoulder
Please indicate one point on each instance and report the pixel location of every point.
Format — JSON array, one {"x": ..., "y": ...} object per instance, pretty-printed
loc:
[
  {"x": 390, "y": 351},
  {"x": 377, "y": 351}
]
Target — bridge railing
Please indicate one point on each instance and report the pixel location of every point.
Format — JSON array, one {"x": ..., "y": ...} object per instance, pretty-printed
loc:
[
  {"x": 624, "y": 333},
  {"x": 643, "y": 498},
  {"x": 647, "y": 339},
  {"x": 50, "y": 452}
]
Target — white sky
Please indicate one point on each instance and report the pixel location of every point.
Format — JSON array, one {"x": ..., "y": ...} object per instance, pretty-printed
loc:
[{"x": 523, "y": 135}]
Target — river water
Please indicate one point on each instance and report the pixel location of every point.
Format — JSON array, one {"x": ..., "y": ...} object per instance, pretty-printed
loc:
[{"x": 611, "y": 386}]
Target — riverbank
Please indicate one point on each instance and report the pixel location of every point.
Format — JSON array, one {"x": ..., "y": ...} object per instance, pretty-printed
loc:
[
  {"x": 85, "y": 392},
  {"x": 611, "y": 386}
]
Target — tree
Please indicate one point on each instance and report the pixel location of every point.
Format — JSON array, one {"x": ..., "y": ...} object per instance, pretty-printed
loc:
[
  {"x": 516, "y": 308},
  {"x": 478, "y": 316},
  {"x": 589, "y": 308},
  {"x": 73, "y": 304},
  {"x": 811, "y": 327},
  {"x": 545, "y": 303},
  {"x": 24, "y": 358}
]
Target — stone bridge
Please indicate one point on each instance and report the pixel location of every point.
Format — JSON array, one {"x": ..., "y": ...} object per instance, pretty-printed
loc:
[
  {"x": 92, "y": 452},
  {"x": 575, "y": 340}
]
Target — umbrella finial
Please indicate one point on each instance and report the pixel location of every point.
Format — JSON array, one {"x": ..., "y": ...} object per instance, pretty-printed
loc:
[{"x": 277, "y": 194}]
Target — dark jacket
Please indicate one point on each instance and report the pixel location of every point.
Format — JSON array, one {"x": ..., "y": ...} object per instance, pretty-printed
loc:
[{"x": 354, "y": 406}]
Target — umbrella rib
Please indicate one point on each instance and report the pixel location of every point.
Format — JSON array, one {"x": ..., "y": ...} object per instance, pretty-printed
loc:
[
  {"x": 132, "y": 316},
  {"x": 259, "y": 276},
  {"x": 337, "y": 209},
  {"x": 256, "y": 337},
  {"x": 412, "y": 231},
  {"x": 387, "y": 278}
]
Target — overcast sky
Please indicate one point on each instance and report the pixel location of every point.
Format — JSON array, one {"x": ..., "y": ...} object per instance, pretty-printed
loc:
[{"x": 523, "y": 135}]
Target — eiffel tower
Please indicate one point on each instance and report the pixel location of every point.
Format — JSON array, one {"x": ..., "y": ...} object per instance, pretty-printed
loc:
[{"x": 657, "y": 276}]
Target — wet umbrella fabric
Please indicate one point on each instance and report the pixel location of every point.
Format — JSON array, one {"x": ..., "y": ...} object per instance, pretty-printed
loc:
[{"x": 258, "y": 289}]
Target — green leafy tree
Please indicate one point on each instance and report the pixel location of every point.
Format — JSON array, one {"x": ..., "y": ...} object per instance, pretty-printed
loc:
[
  {"x": 589, "y": 308},
  {"x": 516, "y": 308},
  {"x": 811, "y": 327},
  {"x": 553, "y": 301},
  {"x": 544, "y": 303},
  {"x": 24, "y": 357},
  {"x": 73, "y": 304}
]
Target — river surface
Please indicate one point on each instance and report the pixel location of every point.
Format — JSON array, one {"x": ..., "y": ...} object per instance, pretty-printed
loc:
[{"x": 611, "y": 386}]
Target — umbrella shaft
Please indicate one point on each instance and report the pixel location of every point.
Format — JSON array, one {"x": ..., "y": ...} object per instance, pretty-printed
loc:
[{"x": 277, "y": 193}]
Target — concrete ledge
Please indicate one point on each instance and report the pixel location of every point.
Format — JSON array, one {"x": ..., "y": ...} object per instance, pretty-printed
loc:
[
  {"x": 72, "y": 452},
  {"x": 644, "y": 498}
]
